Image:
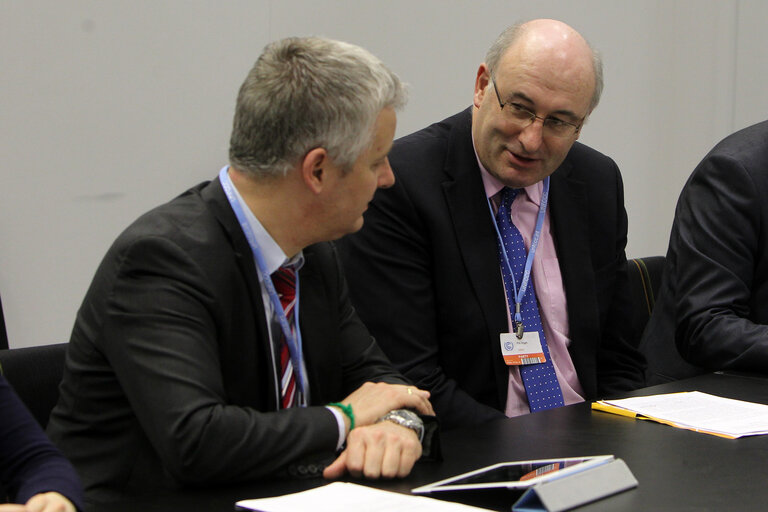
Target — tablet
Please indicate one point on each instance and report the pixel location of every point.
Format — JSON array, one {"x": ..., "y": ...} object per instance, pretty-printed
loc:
[{"x": 515, "y": 475}]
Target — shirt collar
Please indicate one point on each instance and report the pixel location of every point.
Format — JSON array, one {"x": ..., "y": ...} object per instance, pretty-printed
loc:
[
  {"x": 493, "y": 186},
  {"x": 273, "y": 255}
]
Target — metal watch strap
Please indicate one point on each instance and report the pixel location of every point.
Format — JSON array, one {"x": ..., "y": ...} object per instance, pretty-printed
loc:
[{"x": 407, "y": 419}]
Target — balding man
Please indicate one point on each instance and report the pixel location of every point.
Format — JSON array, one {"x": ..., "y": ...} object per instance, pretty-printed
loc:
[{"x": 445, "y": 274}]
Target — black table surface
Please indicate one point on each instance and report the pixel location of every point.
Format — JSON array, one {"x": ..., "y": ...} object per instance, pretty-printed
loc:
[{"x": 676, "y": 469}]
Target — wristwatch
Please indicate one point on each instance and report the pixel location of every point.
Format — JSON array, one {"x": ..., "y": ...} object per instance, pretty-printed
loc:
[{"x": 407, "y": 419}]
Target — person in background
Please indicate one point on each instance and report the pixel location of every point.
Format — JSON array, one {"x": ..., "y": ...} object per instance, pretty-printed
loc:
[
  {"x": 217, "y": 342},
  {"x": 493, "y": 272},
  {"x": 32, "y": 470},
  {"x": 712, "y": 307}
]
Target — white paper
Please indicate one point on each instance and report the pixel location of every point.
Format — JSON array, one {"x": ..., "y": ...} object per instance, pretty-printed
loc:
[
  {"x": 347, "y": 496},
  {"x": 701, "y": 411}
]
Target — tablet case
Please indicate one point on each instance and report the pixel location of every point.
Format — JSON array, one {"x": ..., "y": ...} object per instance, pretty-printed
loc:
[{"x": 577, "y": 489}]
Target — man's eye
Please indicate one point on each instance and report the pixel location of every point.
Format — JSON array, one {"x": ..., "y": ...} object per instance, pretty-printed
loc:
[
  {"x": 520, "y": 111},
  {"x": 555, "y": 122}
]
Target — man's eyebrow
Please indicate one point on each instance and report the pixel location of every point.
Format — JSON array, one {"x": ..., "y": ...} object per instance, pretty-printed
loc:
[{"x": 562, "y": 112}]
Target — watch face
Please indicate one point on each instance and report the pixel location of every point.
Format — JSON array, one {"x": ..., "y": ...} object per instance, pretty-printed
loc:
[
  {"x": 407, "y": 419},
  {"x": 404, "y": 416}
]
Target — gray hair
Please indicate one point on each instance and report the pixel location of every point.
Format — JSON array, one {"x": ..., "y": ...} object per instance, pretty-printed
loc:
[
  {"x": 513, "y": 33},
  {"x": 305, "y": 93}
]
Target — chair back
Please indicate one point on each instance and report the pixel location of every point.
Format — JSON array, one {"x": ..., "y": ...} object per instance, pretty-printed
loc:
[
  {"x": 3, "y": 331},
  {"x": 644, "y": 282},
  {"x": 35, "y": 374}
]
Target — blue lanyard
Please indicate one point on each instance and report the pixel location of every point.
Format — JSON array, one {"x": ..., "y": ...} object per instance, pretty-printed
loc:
[
  {"x": 519, "y": 294},
  {"x": 294, "y": 342}
]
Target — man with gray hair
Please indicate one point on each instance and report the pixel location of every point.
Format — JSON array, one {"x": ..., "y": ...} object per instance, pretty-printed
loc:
[
  {"x": 217, "y": 342},
  {"x": 496, "y": 303}
]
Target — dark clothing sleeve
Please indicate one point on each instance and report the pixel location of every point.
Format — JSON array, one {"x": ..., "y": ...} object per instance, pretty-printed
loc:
[
  {"x": 620, "y": 365},
  {"x": 29, "y": 463},
  {"x": 717, "y": 254}
]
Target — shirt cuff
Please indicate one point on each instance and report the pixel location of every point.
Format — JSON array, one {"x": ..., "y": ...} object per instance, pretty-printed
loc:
[{"x": 342, "y": 426}]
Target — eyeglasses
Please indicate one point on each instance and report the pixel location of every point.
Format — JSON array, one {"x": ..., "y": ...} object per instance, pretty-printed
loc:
[{"x": 523, "y": 118}]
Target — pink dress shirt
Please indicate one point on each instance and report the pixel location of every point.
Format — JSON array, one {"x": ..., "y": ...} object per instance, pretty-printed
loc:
[{"x": 549, "y": 292}]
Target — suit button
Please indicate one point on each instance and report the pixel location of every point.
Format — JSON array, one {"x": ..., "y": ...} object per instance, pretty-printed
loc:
[{"x": 302, "y": 470}]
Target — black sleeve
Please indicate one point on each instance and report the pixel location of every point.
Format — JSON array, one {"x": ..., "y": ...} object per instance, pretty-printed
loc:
[
  {"x": 29, "y": 463},
  {"x": 620, "y": 365},
  {"x": 715, "y": 239}
]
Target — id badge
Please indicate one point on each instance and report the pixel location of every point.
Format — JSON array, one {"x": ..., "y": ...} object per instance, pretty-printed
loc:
[{"x": 518, "y": 352}]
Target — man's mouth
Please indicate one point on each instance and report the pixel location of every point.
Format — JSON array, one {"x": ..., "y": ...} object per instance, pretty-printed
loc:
[
  {"x": 523, "y": 158},
  {"x": 517, "y": 157}
]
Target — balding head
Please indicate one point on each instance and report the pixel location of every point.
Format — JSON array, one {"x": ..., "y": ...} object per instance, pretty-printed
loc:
[
  {"x": 532, "y": 96},
  {"x": 565, "y": 53}
]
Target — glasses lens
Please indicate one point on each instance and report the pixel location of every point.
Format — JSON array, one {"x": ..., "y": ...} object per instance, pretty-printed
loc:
[
  {"x": 520, "y": 114},
  {"x": 522, "y": 117},
  {"x": 557, "y": 128}
]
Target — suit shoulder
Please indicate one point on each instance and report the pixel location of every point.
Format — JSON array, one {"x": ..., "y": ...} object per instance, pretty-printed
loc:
[
  {"x": 186, "y": 222},
  {"x": 745, "y": 139},
  {"x": 746, "y": 148},
  {"x": 587, "y": 163},
  {"x": 429, "y": 145},
  {"x": 582, "y": 153},
  {"x": 175, "y": 215}
]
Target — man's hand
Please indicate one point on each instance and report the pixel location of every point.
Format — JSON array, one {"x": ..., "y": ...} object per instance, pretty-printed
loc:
[
  {"x": 371, "y": 401},
  {"x": 44, "y": 502},
  {"x": 381, "y": 450}
]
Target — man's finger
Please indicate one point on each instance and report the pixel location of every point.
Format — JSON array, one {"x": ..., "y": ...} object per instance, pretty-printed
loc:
[{"x": 336, "y": 468}]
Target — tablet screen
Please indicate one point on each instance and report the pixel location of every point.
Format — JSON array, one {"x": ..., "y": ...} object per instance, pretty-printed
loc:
[{"x": 512, "y": 475}]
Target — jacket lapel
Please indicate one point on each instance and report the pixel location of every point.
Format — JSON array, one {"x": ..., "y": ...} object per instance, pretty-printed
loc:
[
  {"x": 476, "y": 238},
  {"x": 214, "y": 196},
  {"x": 569, "y": 224},
  {"x": 317, "y": 321}
]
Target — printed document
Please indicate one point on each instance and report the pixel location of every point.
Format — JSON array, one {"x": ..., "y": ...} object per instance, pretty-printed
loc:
[
  {"x": 347, "y": 496},
  {"x": 696, "y": 411}
]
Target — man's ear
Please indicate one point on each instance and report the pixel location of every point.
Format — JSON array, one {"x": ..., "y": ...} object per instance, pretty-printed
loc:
[
  {"x": 312, "y": 169},
  {"x": 481, "y": 83}
]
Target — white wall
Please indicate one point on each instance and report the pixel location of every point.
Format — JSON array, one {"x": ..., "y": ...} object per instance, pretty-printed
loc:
[{"x": 108, "y": 108}]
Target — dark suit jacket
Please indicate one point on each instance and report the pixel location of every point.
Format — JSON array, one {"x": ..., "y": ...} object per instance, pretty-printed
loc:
[
  {"x": 168, "y": 378},
  {"x": 713, "y": 301},
  {"x": 424, "y": 273}
]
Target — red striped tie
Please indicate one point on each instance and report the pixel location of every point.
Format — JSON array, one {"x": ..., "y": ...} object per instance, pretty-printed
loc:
[{"x": 284, "y": 280}]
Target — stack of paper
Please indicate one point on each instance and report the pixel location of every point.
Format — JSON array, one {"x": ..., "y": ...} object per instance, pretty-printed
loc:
[
  {"x": 696, "y": 411},
  {"x": 346, "y": 496}
]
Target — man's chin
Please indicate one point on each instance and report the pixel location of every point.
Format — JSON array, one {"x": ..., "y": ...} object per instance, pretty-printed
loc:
[
  {"x": 519, "y": 179},
  {"x": 357, "y": 226}
]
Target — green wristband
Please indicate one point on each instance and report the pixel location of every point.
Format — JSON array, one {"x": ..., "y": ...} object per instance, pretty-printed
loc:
[{"x": 347, "y": 410}]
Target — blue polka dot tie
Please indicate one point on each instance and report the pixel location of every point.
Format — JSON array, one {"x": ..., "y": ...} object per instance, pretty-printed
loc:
[{"x": 539, "y": 379}]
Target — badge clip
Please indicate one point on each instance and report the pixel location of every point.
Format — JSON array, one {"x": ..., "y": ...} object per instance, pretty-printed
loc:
[{"x": 518, "y": 323}]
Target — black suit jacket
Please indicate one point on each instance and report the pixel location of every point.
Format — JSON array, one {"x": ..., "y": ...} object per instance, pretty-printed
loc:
[
  {"x": 713, "y": 302},
  {"x": 168, "y": 377},
  {"x": 424, "y": 273}
]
